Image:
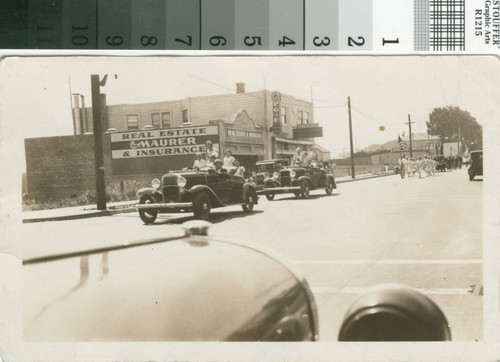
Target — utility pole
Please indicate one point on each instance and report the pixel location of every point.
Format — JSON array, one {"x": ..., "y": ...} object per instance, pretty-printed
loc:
[
  {"x": 350, "y": 136},
  {"x": 409, "y": 125},
  {"x": 459, "y": 135},
  {"x": 98, "y": 149}
]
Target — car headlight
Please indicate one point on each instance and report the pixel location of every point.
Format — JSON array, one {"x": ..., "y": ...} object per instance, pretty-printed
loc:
[
  {"x": 155, "y": 183},
  {"x": 292, "y": 174},
  {"x": 275, "y": 175},
  {"x": 181, "y": 182}
]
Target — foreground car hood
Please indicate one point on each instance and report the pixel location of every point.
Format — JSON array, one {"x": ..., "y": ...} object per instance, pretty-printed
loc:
[{"x": 189, "y": 289}]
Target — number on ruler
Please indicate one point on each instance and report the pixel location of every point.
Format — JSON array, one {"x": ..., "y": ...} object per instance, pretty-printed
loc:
[
  {"x": 324, "y": 42},
  {"x": 351, "y": 41},
  {"x": 217, "y": 40},
  {"x": 79, "y": 39},
  {"x": 114, "y": 41},
  {"x": 285, "y": 41},
  {"x": 251, "y": 41},
  {"x": 393, "y": 41},
  {"x": 188, "y": 42},
  {"x": 147, "y": 40}
]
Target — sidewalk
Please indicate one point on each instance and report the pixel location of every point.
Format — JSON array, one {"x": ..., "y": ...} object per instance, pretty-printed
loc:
[{"x": 87, "y": 211}]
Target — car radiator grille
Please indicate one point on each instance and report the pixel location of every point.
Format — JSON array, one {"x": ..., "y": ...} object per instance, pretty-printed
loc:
[
  {"x": 285, "y": 181},
  {"x": 171, "y": 194},
  {"x": 259, "y": 179}
]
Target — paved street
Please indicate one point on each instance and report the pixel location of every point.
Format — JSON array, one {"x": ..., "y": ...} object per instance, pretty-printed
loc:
[{"x": 426, "y": 233}]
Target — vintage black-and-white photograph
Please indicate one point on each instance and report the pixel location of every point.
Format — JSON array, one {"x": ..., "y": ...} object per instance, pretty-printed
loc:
[{"x": 291, "y": 198}]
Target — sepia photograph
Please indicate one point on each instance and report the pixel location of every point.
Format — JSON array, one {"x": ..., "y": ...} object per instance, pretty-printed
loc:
[{"x": 248, "y": 199}]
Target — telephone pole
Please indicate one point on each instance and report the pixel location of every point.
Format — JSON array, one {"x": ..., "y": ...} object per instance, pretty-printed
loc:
[
  {"x": 350, "y": 134},
  {"x": 98, "y": 148},
  {"x": 409, "y": 125}
]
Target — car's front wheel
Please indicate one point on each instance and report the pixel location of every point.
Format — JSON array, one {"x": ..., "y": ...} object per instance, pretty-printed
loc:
[
  {"x": 249, "y": 202},
  {"x": 270, "y": 196},
  {"x": 329, "y": 187},
  {"x": 305, "y": 190},
  {"x": 201, "y": 206},
  {"x": 148, "y": 216}
]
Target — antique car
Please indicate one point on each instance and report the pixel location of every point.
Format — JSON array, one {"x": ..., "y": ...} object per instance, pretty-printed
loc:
[
  {"x": 299, "y": 181},
  {"x": 266, "y": 169},
  {"x": 440, "y": 163},
  {"x": 476, "y": 164},
  {"x": 197, "y": 191},
  {"x": 188, "y": 287}
]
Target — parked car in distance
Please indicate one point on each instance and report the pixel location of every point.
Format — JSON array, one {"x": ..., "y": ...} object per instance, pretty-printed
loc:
[
  {"x": 189, "y": 287},
  {"x": 476, "y": 164},
  {"x": 197, "y": 191},
  {"x": 266, "y": 169},
  {"x": 299, "y": 181}
]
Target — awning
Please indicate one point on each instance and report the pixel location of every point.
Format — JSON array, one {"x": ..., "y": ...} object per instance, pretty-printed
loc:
[
  {"x": 320, "y": 149},
  {"x": 293, "y": 142}
]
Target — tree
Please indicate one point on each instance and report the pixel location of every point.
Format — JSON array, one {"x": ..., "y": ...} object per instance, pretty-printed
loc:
[{"x": 450, "y": 121}]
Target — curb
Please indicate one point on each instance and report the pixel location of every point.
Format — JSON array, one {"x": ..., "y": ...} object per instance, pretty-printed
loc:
[
  {"x": 80, "y": 216},
  {"x": 132, "y": 208}
]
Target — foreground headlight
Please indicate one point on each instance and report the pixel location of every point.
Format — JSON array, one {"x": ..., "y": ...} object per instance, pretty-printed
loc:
[
  {"x": 181, "y": 182},
  {"x": 155, "y": 183},
  {"x": 275, "y": 175},
  {"x": 292, "y": 174}
]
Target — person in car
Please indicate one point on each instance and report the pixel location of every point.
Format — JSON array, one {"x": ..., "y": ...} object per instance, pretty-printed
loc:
[
  {"x": 228, "y": 159},
  {"x": 218, "y": 165},
  {"x": 298, "y": 157},
  {"x": 211, "y": 162},
  {"x": 210, "y": 151},
  {"x": 199, "y": 162},
  {"x": 239, "y": 170}
]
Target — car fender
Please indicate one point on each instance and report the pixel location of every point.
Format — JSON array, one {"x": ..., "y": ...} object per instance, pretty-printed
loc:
[
  {"x": 150, "y": 191},
  {"x": 248, "y": 187},
  {"x": 213, "y": 197},
  {"x": 308, "y": 179},
  {"x": 271, "y": 182}
]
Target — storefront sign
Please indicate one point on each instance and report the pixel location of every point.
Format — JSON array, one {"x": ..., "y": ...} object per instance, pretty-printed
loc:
[
  {"x": 162, "y": 142},
  {"x": 308, "y": 125},
  {"x": 308, "y": 132},
  {"x": 255, "y": 136},
  {"x": 276, "y": 127}
]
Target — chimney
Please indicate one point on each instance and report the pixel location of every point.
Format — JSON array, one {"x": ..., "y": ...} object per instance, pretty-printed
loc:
[{"x": 240, "y": 87}]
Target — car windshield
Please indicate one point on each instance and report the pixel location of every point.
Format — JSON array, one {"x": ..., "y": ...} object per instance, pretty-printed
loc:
[{"x": 266, "y": 167}]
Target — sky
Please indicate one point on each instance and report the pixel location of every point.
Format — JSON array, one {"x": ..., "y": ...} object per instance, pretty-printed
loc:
[{"x": 384, "y": 90}]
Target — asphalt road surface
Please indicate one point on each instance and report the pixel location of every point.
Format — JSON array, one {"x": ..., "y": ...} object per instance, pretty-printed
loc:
[{"x": 425, "y": 233}]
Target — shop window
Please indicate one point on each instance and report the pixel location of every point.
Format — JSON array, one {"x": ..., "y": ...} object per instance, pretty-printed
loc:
[
  {"x": 185, "y": 116},
  {"x": 166, "y": 121},
  {"x": 300, "y": 117},
  {"x": 306, "y": 117},
  {"x": 132, "y": 122},
  {"x": 155, "y": 120},
  {"x": 283, "y": 115}
]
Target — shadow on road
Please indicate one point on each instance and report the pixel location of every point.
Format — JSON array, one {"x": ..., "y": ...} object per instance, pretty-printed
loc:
[
  {"x": 311, "y": 197},
  {"x": 215, "y": 217}
]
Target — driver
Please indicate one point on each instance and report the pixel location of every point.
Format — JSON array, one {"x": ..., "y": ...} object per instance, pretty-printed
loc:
[{"x": 218, "y": 165}]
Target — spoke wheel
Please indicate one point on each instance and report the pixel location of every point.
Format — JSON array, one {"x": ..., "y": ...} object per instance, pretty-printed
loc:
[
  {"x": 329, "y": 187},
  {"x": 249, "y": 202},
  {"x": 305, "y": 190},
  {"x": 148, "y": 216},
  {"x": 201, "y": 206}
]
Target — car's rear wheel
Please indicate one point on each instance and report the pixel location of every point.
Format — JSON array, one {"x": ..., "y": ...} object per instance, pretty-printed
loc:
[
  {"x": 270, "y": 196},
  {"x": 297, "y": 193},
  {"x": 201, "y": 206},
  {"x": 305, "y": 189},
  {"x": 148, "y": 216},
  {"x": 249, "y": 202},
  {"x": 329, "y": 187}
]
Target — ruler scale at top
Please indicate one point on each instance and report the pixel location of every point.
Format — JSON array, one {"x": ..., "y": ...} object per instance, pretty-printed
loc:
[{"x": 338, "y": 25}]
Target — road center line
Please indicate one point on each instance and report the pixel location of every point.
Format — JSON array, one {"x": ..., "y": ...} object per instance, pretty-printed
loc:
[
  {"x": 434, "y": 291},
  {"x": 386, "y": 261}
]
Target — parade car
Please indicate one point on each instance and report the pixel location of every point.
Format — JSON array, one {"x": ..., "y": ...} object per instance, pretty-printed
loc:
[
  {"x": 299, "y": 181},
  {"x": 197, "y": 191},
  {"x": 476, "y": 164},
  {"x": 189, "y": 287},
  {"x": 266, "y": 169}
]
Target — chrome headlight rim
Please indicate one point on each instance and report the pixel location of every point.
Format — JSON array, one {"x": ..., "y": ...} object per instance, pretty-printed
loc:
[
  {"x": 275, "y": 174},
  {"x": 155, "y": 183},
  {"x": 181, "y": 181},
  {"x": 293, "y": 174}
]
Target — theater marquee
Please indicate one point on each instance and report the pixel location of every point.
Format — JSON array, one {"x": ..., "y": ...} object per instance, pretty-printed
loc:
[{"x": 162, "y": 142}]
